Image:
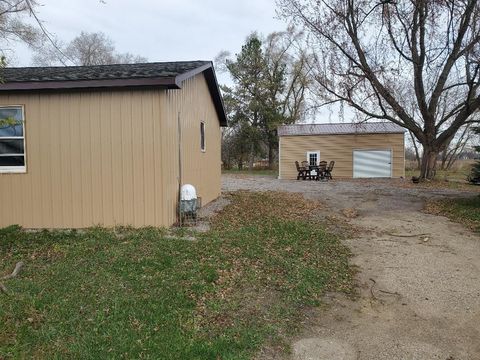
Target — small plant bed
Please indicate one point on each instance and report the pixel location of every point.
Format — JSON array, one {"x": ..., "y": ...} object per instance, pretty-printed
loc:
[
  {"x": 143, "y": 293},
  {"x": 463, "y": 210}
]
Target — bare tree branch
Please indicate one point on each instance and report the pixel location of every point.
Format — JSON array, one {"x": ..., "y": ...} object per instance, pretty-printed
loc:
[{"x": 414, "y": 63}]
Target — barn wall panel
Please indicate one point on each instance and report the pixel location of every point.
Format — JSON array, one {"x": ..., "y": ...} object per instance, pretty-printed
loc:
[{"x": 110, "y": 157}]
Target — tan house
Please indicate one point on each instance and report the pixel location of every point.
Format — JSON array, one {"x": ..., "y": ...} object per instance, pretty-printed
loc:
[
  {"x": 365, "y": 150},
  {"x": 104, "y": 145}
]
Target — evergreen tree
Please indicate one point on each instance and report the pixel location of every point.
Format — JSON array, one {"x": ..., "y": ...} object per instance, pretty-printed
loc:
[{"x": 269, "y": 90}]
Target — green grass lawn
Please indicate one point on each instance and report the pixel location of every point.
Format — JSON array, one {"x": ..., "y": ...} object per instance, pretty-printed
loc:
[
  {"x": 463, "y": 210},
  {"x": 126, "y": 293}
]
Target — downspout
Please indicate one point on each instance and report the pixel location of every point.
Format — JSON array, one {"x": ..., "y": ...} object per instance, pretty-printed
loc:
[{"x": 179, "y": 169}]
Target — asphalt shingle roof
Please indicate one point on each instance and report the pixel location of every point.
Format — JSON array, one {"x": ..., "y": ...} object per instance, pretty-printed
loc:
[
  {"x": 168, "y": 75},
  {"x": 340, "y": 128},
  {"x": 100, "y": 72}
]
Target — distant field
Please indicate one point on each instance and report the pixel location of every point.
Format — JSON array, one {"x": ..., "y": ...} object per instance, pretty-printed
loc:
[
  {"x": 262, "y": 172},
  {"x": 458, "y": 172}
]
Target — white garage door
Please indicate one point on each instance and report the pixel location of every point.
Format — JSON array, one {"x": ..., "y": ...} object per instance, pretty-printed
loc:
[{"x": 372, "y": 163}]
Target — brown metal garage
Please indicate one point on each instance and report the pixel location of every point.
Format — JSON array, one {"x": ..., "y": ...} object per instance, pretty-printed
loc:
[{"x": 364, "y": 150}]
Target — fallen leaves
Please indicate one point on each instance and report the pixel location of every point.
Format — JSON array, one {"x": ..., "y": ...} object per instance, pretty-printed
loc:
[
  {"x": 436, "y": 184},
  {"x": 350, "y": 213},
  {"x": 277, "y": 257},
  {"x": 465, "y": 211},
  {"x": 252, "y": 207}
]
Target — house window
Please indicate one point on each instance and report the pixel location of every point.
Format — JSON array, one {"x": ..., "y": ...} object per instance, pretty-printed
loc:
[
  {"x": 313, "y": 158},
  {"x": 12, "y": 139},
  {"x": 202, "y": 136}
]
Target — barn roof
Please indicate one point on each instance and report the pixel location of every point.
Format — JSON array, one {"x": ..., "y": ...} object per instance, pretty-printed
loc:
[
  {"x": 100, "y": 72},
  {"x": 340, "y": 128},
  {"x": 168, "y": 75}
]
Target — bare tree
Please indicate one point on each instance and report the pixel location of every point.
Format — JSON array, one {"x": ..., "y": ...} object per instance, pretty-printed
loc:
[
  {"x": 16, "y": 25},
  {"x": 85, "y": 49},
  {"x": 416, "y": 150},
  {"x": 414, "y": 63},
  {"x": 128, "y": 58},
  {"x": 456, "y": 147},
  {"x": 91, "y": 49}
]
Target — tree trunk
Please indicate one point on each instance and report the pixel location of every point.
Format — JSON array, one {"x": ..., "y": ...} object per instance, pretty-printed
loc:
[
  {"x": 444, "y": 159},
  {"x": 429, "y": 163},
  {"x": 251, "y": 160},
  {"x": 270, "y": 155}
]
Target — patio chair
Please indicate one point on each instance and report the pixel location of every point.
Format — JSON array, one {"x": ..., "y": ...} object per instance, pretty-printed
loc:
[
  {"x": 322, "y": 166},
  {"x": 302, "y": 171},
  {"x": 306, "y": 166},
  {"x": 328, "y": 170}
]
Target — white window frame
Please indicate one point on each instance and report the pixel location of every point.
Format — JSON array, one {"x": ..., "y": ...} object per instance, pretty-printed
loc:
[
  {"x": 317, "y": 152},
  {"x": 15, "y": 169},
  {"x": 203, "y": 134}
]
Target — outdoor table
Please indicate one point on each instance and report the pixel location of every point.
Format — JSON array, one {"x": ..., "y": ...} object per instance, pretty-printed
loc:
[
  {"x": 314, "y": 168},
  {"x": 320, "y": 174}
]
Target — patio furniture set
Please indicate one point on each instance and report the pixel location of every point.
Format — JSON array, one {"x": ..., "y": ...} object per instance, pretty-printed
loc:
[{"x": 307, "y": 171}]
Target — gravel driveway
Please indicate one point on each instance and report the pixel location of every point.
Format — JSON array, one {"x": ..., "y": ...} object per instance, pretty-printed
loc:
[{"x": 419, "y": 275}]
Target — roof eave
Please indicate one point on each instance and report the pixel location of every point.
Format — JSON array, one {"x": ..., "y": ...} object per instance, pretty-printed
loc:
[
  {"x": 213, "y": 87},
  {"x": 186, "y": 75},
  {"x": 345, "y": 133},
  {"x": 171, "y": 82},
  {"x": 216, "y": 95},
  {"x": 168, "y": 82}
]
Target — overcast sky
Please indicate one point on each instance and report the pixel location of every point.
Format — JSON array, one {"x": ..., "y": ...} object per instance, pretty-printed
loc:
[{"x": 162, "y": 30}]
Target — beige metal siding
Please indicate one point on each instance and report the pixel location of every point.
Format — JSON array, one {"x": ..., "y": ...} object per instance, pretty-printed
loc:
[
  {"x": 201, "y": 168},
  {"x": 110, "y": 157},
  {"x": 340, "y": 149}
]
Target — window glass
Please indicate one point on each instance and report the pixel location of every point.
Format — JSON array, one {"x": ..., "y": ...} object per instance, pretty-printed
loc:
[
  {"x": 11, "y": 146},
  {"x": 313, "y": 159},
  {"x": 202, "y": 136},
  {"x": 12, "y": 141},
  {"x": 11, "y": 122},
  {"x": 12, "y": 161}
]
